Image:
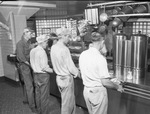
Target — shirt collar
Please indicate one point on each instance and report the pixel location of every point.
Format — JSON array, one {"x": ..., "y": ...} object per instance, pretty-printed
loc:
[
  {"x": 94, "y": 49},
  {"x": 24, "y": 39},
  {"x": 39, "y": 47},
  {"x": 60, "y": 43}
]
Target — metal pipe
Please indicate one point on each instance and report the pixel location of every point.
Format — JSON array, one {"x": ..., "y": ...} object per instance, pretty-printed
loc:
[
  {"x": 140, "y": 14},
  {"x": 139, "y": 89},
  {"x": 134, "y": 3},
  {"x": 137, "y": 92},
  {"x": 108, "y": 3}
]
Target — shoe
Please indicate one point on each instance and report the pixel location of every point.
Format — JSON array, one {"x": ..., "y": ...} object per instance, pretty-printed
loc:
[
  {"x": 34, "y": 110},
  {"x": 25, "y": 102}
]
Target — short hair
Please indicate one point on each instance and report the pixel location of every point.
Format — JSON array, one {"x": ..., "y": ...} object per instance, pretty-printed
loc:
[
  {"x": 96, "y": 36},
  {"x": 53, "y": 34},
  {"x": 27, "y": 29},
  {"x": 63, "y": 31},
  {"x": 42, "y": 38}
]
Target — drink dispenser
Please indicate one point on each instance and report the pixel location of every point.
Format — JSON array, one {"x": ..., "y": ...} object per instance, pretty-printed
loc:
[
  {"x": 130, "y": 56},
  {"x": 118, "y": 53},
  {"x": 139, "y": 55},
  {"x": 127, "y": 50}
]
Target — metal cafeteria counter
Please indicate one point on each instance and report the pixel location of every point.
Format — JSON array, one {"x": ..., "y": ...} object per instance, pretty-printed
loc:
[{"x": 134, "y": 100}]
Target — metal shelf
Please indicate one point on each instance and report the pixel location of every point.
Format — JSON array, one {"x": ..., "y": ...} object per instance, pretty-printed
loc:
[
  {"x": 115, "y": 3},
  {"x": 126, "y": 15},
  {"x": 108, "y": 3}
]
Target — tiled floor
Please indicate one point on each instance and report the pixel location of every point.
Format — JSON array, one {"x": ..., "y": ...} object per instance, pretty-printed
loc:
[{"x": 11, "y": 100}]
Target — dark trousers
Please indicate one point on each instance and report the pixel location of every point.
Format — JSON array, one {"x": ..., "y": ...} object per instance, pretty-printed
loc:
[
  {"x": 66, "y": 88},
  {"x": 42, "y": 87},
  {"x": 28, "y": 87}
]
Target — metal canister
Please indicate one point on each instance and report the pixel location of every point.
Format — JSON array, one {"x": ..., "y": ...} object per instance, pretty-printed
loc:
[
  {"x": 118, "y": 53},
  {"x": 116, "y": 22},
  {"x": 140, "y": 9},
  {"x": 126, "y": 58},
  {"x": 118, "y": 40},
  {"x": 139, "y": 54},
  {"x": 116, "y": 10},
  {"x": 125, "y": 10},
  {"x": 126, "y": 53}
]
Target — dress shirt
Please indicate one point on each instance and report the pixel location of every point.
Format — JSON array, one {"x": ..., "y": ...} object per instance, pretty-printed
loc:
[
  {"x": 38, "y": 59},
  {"x": 62, "y": 61},
  {"x": 93, "y": 67},
  {"x": 23, "y": 50}
]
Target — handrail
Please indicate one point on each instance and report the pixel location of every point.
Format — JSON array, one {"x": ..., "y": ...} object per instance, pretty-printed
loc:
[
  {"x": 137, "y": 95},
  {"x": 139, "y": 89},
  {"x": 139, "y": 92}
]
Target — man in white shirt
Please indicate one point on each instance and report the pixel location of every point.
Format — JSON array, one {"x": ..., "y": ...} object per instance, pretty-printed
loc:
[
  {"x": 95, "y": 76},
  {"x": 41, "y": 69},
  {"x": 66, "y": 70}
]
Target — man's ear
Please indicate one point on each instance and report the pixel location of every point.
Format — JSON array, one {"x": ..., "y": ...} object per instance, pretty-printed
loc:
[{"x": 103, "y": 41}]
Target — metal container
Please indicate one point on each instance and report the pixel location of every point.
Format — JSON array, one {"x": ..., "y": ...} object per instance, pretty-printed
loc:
[
  {"x": 140, "y": 9},
  {"x": 126, "y": 53},
  {"x": 117, "y": 71},
  {"x": 125, "y": 10},
  {"x": 139, "y": 55},
  {"x": 139, "y": 51},
  {"x": 118, "y": 54},
  {"x": 116, "y": 22},
  {"x": 116, "y": 10}
]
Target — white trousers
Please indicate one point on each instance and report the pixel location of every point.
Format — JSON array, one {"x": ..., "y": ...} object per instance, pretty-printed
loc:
[{"x": 96, "y": 99}]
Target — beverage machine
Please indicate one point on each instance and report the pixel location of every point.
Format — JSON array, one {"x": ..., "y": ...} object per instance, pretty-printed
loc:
[{"x": 130, "y": 56}]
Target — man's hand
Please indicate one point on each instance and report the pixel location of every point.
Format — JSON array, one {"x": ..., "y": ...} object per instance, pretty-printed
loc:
[
  {"x": 27, "y": 63},
  {"x": 49, "y": 70},
  {"x": 120, "y": 88},
  {"x": 79, "y": 74}
]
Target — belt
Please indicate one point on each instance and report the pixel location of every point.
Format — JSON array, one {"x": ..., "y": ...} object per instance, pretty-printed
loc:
[
  {"x": 39, "y": 72},
  {"x": 93, "y": 86},
  {"x": 64, "y": 75}
]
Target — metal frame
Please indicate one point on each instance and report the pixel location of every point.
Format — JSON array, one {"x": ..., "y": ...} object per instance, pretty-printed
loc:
[{"x": 121, "y": 3}]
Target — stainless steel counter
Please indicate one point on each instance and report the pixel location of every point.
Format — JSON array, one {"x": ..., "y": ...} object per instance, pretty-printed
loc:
[{"x": 134, "y": 100}]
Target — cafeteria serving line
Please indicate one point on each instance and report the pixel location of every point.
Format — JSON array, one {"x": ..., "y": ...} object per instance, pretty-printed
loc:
[{"x": 125, "y": 27}]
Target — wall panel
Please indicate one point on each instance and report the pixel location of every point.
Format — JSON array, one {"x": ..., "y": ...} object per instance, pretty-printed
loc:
[{"x": 9, "y": 69}]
